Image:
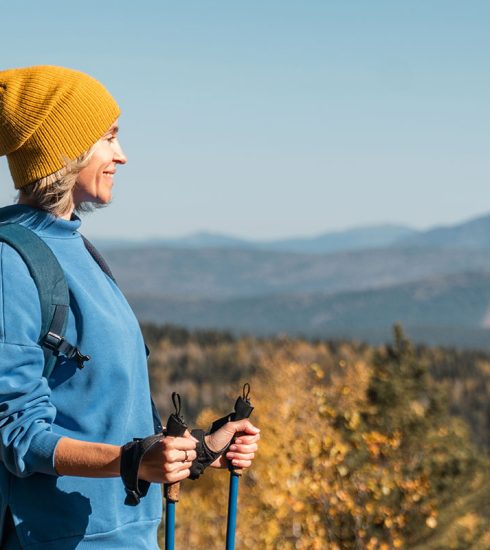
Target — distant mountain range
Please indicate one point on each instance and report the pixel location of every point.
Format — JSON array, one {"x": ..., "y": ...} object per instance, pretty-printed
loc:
[
  {"x": 436, "y": 282},
  {"x": 351, "y": 239},
  {"x": 452, "y": 310},
  {"x": 226, "y": 273},
  {"x": 473, "y": 234}
]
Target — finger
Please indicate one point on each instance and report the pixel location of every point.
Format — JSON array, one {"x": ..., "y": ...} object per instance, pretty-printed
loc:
[
  {"x": 173, "y": 467},
  {"x": 240, "y": 456},
  {"x": 188, "y": 434},
  {"x": 180, "y": 456},
  {"x": 247, "y": 439},
  {"x": 184, "y": 443},
  {"x": 245, "y": 426},
  {"x": 183, "y": 466},
  {"x": 187, "y": 456},
  {"x": 175, "y": 477},
  {"x": 236, "y": 463},
  {"x": 244, "y": 448},
  {"x": 179, "y": 443}
]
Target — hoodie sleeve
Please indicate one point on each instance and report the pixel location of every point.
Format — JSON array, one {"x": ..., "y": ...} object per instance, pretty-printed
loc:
[{"x": 27, "y": 442}]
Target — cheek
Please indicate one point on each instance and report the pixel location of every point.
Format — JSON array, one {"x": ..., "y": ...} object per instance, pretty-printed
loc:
[
  {"x": 86, "y": 177},
  {"x": 93, "y": 170}
]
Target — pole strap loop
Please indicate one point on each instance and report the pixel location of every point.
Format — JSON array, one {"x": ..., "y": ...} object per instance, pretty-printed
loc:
[
  {"x": 205, "y": 456},
  {"x": 131, "y": 456}
]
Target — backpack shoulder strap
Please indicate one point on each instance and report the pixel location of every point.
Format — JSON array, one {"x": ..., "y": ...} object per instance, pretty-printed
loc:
[
  {"x": 52, "y": 288},
  {"x": 97, "y": 256}
]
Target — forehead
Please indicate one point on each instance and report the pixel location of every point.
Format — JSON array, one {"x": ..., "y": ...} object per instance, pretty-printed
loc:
[{"x": 114, "y": 127}]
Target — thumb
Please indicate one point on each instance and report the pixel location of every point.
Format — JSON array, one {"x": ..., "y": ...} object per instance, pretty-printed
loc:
[
  {"x": 244, "y": 426},
  {"x": 219, "y": 439}
]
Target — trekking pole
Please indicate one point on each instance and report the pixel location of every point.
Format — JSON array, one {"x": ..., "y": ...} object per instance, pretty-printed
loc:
[
  {"x": 176, "y": 427},
  {"x": 243, "y": 409}
]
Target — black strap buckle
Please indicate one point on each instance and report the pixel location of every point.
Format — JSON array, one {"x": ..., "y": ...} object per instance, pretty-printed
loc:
[
  {"x": 57, "y": 344},
  {"x": 80, "y": 358},
  {"x": 132, "y": 497}
]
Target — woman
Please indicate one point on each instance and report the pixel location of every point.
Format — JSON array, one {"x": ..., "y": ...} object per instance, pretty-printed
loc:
[{"x": 61, "y": 439}]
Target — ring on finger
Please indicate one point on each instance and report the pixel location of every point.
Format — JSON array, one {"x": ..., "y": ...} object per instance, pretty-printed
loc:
[{"x": 186, "y": 457}]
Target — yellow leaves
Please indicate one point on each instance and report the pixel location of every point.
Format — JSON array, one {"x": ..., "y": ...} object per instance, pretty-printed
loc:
[
  {"x": 385, "y": 490},
  {"x": 314, "y": 446},
  {"x": 417, "y": 408},
  {"x": 328, "y": 474},
  {"x": 298, "y": 506},
  {"x": 353, "y": 419},
  {"x": 317, "y": 369},
  {"x": 470, "y": 521},
  {"x": 388, "y": 522},
  {"x": 395, "y": 441},
  {"x": 342, "y": 496},
  {"x": 375, "y": 442},
  {"x": 327, "y": 411},
  {"x": 380, "y": 444},
  {"x": 338, "y": 451},
  {"x": 343, "y": 470},
  {"x": 431, "y": 522}
]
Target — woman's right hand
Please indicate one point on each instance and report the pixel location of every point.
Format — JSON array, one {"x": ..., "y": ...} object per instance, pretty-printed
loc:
[{"x": 170, "y": 460}]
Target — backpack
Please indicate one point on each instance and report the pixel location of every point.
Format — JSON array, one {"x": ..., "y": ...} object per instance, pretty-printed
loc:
[{"x": 52, "y": 289}]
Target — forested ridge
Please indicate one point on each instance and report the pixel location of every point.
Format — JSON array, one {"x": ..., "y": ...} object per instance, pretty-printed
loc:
[{"x": 362, "y": 447}]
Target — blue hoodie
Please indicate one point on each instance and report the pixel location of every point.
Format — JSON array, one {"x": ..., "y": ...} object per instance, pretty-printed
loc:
[{"x": 108, "y": 401}]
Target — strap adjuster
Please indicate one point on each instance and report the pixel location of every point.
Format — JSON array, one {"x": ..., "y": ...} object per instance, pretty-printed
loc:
[{"x": 53, "y": 341}]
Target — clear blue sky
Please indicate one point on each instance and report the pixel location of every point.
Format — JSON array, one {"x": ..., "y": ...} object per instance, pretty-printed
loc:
[{"x": 275, "y": 118}]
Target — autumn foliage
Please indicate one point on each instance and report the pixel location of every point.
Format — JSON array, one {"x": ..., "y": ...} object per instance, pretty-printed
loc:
[{"x": 358, "y": 451}]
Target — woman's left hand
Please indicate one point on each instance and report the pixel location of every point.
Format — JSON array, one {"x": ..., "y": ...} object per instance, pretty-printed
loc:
[{"x": 242, "y": 451}]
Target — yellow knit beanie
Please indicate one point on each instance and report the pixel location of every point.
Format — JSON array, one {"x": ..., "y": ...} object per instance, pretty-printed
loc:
[{"x": 49, "y": 115}]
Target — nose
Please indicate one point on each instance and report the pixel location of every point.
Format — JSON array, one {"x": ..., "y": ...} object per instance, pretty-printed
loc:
[{"x": 119, "y": 155}]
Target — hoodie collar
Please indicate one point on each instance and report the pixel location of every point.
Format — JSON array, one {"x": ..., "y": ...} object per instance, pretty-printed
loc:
[{"x": 40, "y": 221}]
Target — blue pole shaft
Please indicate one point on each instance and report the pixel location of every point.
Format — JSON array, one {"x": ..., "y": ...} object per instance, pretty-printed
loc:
[
  {"x": 232, "y": 511},
  {"x": 169, "y": 525}
]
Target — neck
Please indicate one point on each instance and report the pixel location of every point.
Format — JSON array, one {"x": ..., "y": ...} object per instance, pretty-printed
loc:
[{"x": 23, "y": 199}]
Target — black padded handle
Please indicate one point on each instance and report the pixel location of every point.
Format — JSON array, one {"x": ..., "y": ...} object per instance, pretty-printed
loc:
[{"x": 176, "y": 427}]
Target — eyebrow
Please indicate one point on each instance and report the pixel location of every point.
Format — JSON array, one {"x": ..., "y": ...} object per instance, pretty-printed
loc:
[{"x": 112, "y": 131}]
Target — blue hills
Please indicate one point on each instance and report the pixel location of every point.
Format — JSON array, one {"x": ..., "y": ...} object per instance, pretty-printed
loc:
[
  {"x": 352, "y": 284},
  {"x": 473, "y": 234}
]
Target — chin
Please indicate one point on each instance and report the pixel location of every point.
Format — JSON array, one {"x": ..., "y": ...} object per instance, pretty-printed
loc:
[{"x": 90, "y": 206}]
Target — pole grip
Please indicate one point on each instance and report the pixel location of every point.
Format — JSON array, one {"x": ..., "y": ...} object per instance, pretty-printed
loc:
[
  {"x": 176, "y": 427},
  {"x": 243, "y": 409},
  {"x": 172, "y": 491}
]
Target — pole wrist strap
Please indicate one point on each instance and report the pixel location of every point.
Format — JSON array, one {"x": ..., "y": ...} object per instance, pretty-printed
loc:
[
  {"x": 205, "y": 456},
  {"x": 131, "y": 456}
]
